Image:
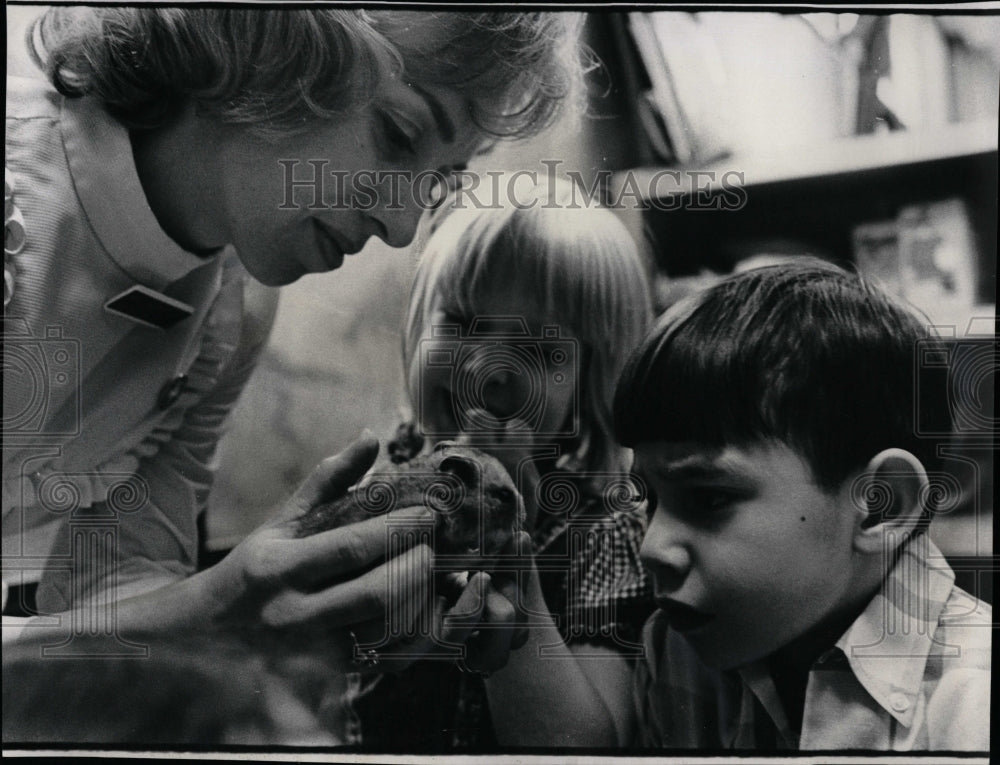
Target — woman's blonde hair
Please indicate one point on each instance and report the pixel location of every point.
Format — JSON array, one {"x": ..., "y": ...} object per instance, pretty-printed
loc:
[
  {"x": 574, "y": 262},
  {"x": 276, "y": 71}
]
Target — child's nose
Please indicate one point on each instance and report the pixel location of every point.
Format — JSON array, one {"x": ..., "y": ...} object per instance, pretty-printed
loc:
[
  {"x": 665, "y": 554},
  {"x": 496, "y": 389}
]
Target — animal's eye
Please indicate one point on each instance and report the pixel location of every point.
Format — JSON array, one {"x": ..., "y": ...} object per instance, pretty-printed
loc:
[{"x": 505, "y": 494}]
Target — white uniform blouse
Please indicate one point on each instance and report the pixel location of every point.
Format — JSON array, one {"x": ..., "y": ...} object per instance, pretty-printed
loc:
[{"x": 98, "y": 409}]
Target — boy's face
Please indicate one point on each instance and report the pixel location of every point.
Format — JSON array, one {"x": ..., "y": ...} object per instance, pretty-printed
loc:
[{"x": 746, "y": 552}]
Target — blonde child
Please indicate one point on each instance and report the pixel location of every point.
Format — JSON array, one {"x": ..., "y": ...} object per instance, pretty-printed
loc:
[{"x": 521, "y": 317}]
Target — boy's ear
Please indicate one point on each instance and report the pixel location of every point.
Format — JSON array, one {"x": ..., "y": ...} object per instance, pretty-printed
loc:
[{"x": 889, "y": 495}]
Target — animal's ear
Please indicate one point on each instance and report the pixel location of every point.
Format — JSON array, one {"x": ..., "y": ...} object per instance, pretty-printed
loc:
[{"x": 463, "y": 468}]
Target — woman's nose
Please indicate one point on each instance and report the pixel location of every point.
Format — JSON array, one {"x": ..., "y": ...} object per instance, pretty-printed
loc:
[
  {"x": 424, "y": 192},
  {"x": 401, "y": 225}
]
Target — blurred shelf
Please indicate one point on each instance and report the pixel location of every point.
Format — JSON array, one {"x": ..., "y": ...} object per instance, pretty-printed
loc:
[
  {"x": 788, "y": 164},
  {"x": 968, "y": 323}
]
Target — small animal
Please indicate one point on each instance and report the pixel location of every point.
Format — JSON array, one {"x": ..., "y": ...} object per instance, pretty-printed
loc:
[{"x": 476, "y": 505}]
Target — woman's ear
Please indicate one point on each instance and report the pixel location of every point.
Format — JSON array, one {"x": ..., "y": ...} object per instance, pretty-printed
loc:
[{"x": 889, "y": 494}]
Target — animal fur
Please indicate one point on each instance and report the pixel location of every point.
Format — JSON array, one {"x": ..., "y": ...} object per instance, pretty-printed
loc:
[{"x": 477, "y": 508}]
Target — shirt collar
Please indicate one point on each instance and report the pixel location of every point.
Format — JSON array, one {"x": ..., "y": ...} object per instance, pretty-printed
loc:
[
  {"x": 888, "y": 644},
  {"x": 100, "y": 160},
  {"x": 757, "y": 680}
]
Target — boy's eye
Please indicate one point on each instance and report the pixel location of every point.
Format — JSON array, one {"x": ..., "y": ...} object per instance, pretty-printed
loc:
[
  {"x": 652, "y": 500},
  {"x": 703, "y": 498}
]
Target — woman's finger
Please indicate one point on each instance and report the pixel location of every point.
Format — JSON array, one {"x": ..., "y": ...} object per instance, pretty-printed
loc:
[
  {"x": 393, "y": 591},
  {"x": 379, "y": 656},
  {"x": 405, "y": 621},
  {"x": 338, "y": 553},
  {"x": 512, "y": 583},
  {"x": 332, "y": 477}
]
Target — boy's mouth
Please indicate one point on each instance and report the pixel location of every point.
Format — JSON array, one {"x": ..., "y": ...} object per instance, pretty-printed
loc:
[{"x": 682, "y": 617}]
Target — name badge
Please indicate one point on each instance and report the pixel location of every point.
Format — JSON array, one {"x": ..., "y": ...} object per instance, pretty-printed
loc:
[{"x": 148, "y": 307}]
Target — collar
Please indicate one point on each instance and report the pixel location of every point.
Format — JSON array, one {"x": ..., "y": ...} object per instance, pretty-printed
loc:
[
  {"x": 888, "y": 644},
  {"x": 757, "y": 680},
  {"x": 100, "y": 160}
]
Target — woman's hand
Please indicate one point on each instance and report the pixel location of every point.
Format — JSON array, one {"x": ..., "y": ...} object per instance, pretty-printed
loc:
[
  {"x": 336, "y": 591},
  {"x": 277, "y": 583}
]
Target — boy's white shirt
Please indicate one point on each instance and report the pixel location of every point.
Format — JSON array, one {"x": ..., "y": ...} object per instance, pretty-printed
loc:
[{"x": 911, "y": 673}]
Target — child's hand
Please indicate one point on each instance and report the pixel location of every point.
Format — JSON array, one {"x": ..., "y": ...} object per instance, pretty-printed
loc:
[
  {"x": 485, "y": 624},
  {"x": 514, "y": 571},
  {"x": 500, "y": 626}
]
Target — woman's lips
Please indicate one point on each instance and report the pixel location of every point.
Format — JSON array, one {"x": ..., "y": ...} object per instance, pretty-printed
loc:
[
  {"x": 682, "y": 617},
  {"x": 333, "y": 247},
  {"x": 329, "y": 249}
]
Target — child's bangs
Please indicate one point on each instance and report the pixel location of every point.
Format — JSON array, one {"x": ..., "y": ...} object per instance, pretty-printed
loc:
[
  {"x": 492, "y": 263},
  {"x": 692, "y": 386}
]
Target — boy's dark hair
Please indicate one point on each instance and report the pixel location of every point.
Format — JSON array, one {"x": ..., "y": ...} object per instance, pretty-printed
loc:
[{"x": 806, "y": 354}]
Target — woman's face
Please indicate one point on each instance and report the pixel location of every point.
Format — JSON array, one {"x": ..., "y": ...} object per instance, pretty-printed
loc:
[{"x": 299, "y": 205}]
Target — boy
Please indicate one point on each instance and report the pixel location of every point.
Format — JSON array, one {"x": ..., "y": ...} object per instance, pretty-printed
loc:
[{"x": 801, "y": 603}]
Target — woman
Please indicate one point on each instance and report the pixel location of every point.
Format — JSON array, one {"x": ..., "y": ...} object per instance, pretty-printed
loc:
[{"x": 147, "y": 183}]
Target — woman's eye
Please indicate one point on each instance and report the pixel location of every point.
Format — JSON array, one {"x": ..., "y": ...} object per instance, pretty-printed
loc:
[{"x": 396, "y": 139}]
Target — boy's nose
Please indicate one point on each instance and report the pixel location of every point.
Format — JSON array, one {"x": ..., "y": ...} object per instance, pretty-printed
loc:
[{"x": 665, "y": 555}]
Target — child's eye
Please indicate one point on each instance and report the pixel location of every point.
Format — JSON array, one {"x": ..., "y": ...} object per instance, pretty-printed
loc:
[
  {"x": 487, "y": 149},
  {"x": 652, "y": 500},
  {"x": 454, "y": 317},
  {"x": 710, "y": 499}
]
